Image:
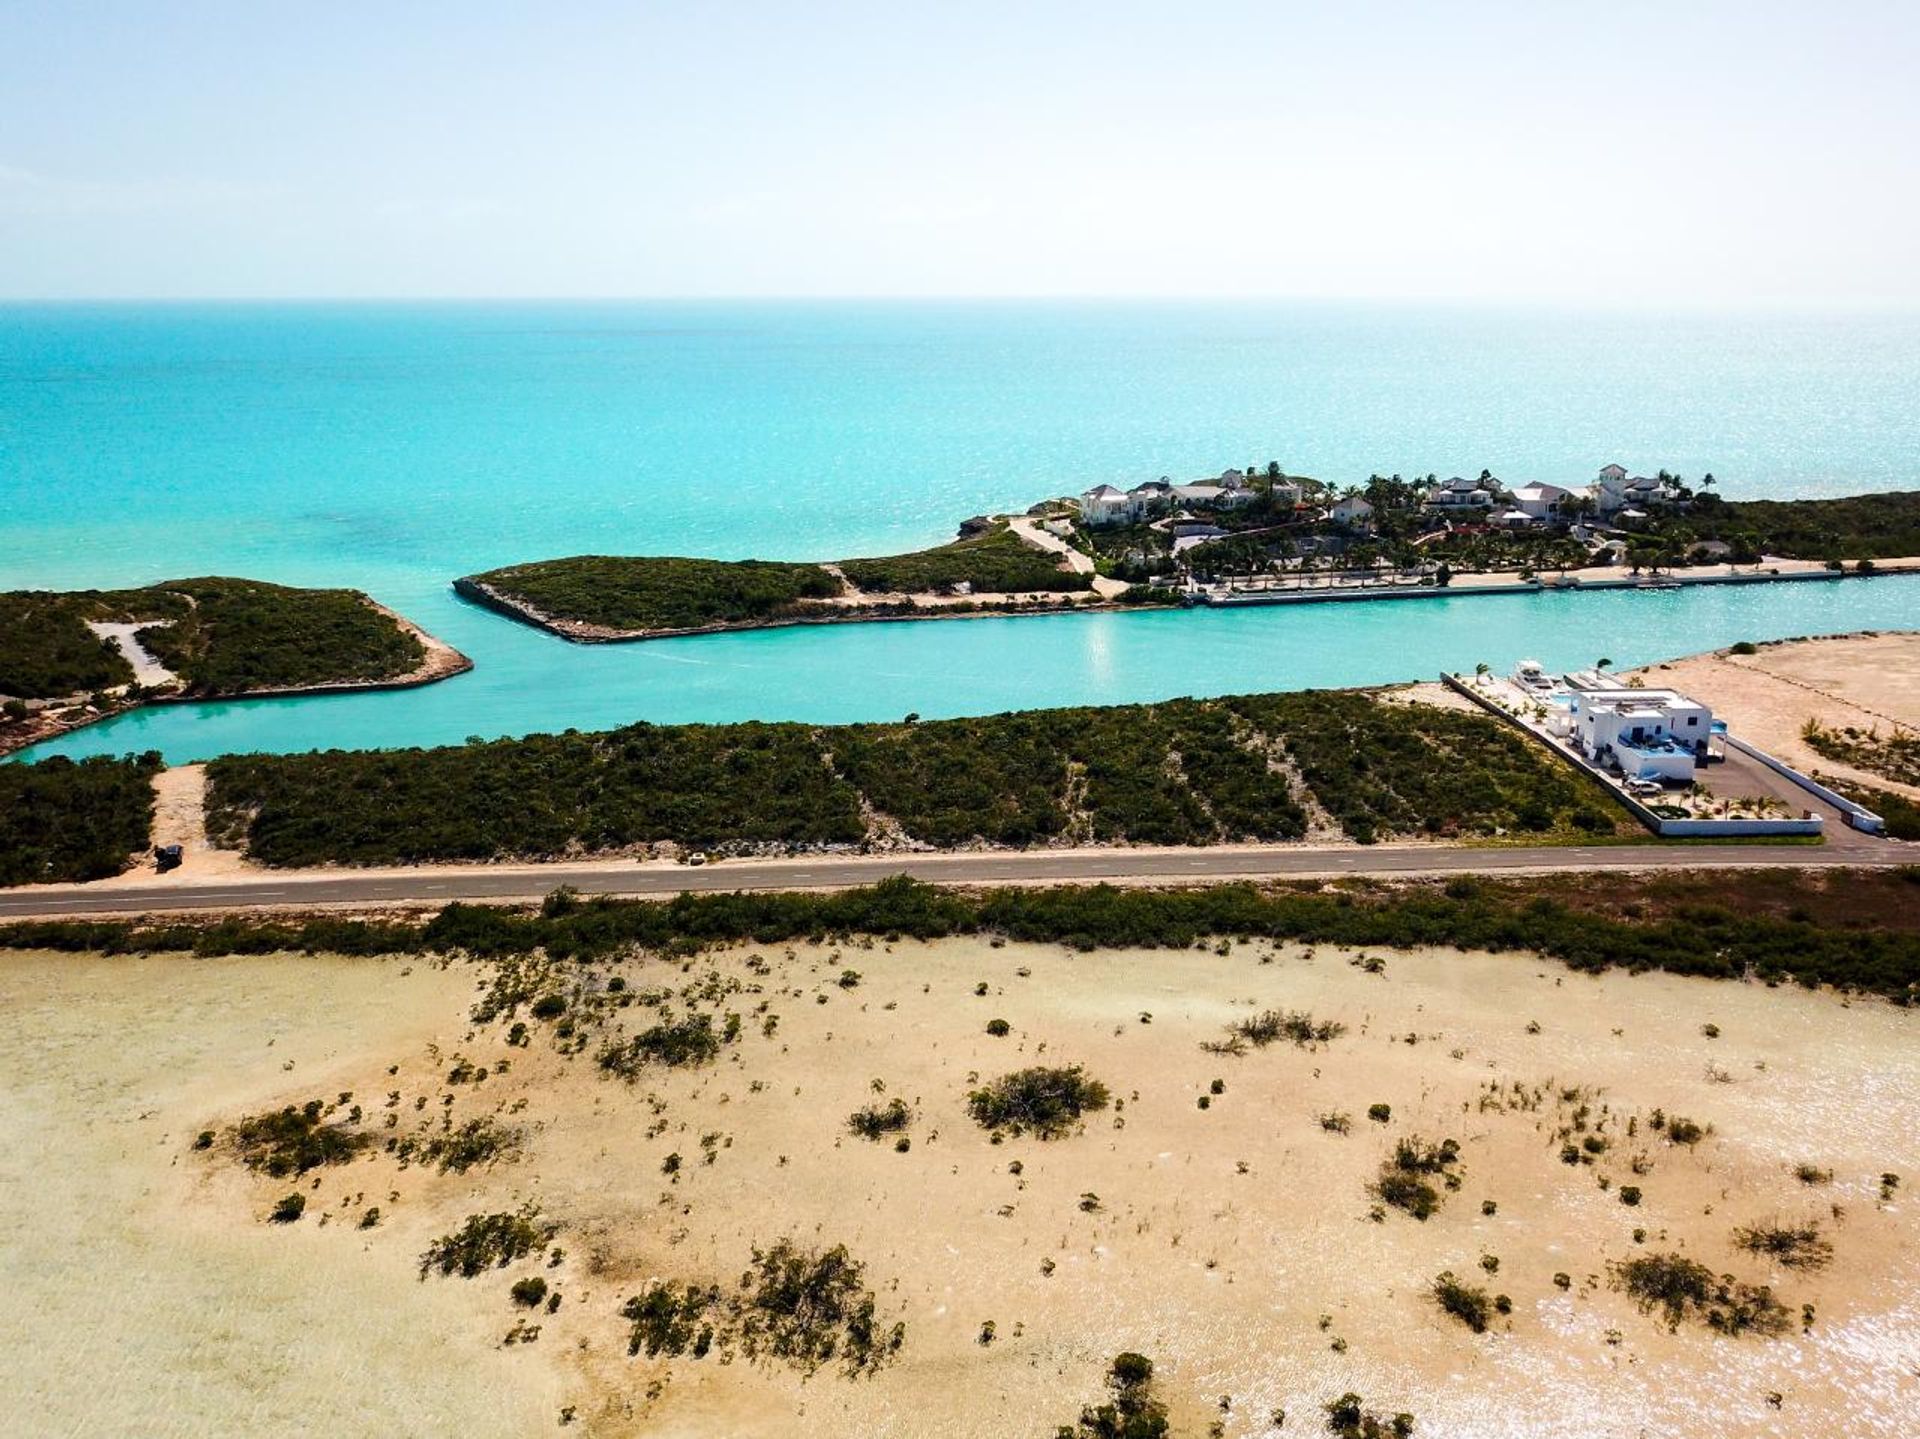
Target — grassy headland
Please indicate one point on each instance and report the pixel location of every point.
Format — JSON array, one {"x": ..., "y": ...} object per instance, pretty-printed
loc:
[
  {"x": 661, "y": 592},
  {"x": 1182, "y": 772},
  {"x": 216, "y": 638},
  {"x": 613, "y": 597}
]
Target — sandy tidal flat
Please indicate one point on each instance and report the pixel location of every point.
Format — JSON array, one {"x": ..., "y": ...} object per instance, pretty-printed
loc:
[{"x": 1236, "y": 1244}]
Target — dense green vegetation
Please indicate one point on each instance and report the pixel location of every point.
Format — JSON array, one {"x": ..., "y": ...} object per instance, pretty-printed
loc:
[
  {"x": 1385, "y": 769},
  {"x": 645, "y": 593},
  {"x": 662, "y": 592},
  {"x": 47, "y": 651},
  {"x": 1853, "y": 527},
  {"x": 1856, "y": 929},
  {"x": 1182, "y": 772},
  {"x": 225, "y": 636},
  {"x": 244, "y": 635},
  {"x": 67, "y": 821},
  {"x": 547, "y": 795},
  {"x": 997, "y": 562}
]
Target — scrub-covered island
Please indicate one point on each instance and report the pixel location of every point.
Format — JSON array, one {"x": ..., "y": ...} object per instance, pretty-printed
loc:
[
  {"x": 1254, "y": 536},
  {"x": 69, "y": 658}
]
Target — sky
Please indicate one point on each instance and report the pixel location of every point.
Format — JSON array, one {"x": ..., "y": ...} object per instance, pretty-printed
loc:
[{"x": 1620, "y": 154}]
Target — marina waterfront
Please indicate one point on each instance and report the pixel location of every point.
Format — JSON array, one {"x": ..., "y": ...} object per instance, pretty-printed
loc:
[{"x": 393, "y": 447}]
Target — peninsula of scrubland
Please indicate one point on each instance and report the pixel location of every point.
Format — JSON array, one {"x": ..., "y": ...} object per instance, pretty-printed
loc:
[{"x": 69, "y": 658}]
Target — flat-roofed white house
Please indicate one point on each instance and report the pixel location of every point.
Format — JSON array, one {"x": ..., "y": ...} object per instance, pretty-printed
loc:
[
  {"x": 1104, "y": 505},
  {"x": 1648, "y": 733}
]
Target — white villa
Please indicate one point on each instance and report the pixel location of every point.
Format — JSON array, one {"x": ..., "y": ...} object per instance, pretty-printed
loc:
[
  {"x": 1353, "y": 511},
  {"x": 1105, "y": 505},
  {"x": 1541, "y": 502},
  {"x": 1463, "y": 494},
  {"x": 1614, "y": 493},
  {"x": 1653, "y": 734}
]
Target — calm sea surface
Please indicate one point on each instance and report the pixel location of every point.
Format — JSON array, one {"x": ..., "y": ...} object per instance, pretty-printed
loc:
[{"x": 393, "y": 447}]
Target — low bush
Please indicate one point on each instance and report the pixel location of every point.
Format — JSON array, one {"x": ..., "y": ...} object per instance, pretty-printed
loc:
[
  {"x": 1683, "y": 1288},
  {"x": 1349, "y": 1418},
  {"x": 877, "y": 1121},
  {"x": 1048, "y": 1102},
  {"x": 529, "y": 1293},
  {"x": 1131, "y": 1410},
  {"x": 676, "y": 1044},
  {"x": 1404, "y": 1175},
  {"x": 1472, "y": 1307},
  {"x": 291, "y": 1141},
  {"x": 455, "y": 1151},
  {"x": 487, "y": 1241},
  {"x": 1793, "y": 1246},
  {"x": 288, "y": 1208},
  {"x": 1295, "y": 1026}
]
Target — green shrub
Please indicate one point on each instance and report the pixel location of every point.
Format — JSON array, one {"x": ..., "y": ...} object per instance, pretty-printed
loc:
[
  {"x": 876, "y": 1121},
  {"x": 288, "y": 1208},
  {"x": 1046, "y": 1101},
  {"x": 487, "y": 1241},
  {"x": 529, "y": 1293},
  {"x": 1472, "y": 1307},
  {"x": 1794, "y": 1246},
  {"x": 1404, "y": 1175},
  {"x": 1348, "y": 1418},
  {"x": 688, "y": 1042},
  {"x": 1295, "y": 1026},
  {"x": 1683, "y": 1288},
  {"x": 999, "y": 1028},
  {"x": 1131, "y": 1410},
  {"x": 291, "y": 1141}
]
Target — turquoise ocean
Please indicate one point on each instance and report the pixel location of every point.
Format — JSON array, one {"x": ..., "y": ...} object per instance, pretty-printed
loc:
[{"x": 392, "y": 447}]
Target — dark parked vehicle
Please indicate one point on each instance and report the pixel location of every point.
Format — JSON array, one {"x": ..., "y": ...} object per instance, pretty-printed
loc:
[{"x": 166, "y": 857}]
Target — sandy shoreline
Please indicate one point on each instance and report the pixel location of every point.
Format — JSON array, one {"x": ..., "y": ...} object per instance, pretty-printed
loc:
[{"x": 1231, "y": 1243}]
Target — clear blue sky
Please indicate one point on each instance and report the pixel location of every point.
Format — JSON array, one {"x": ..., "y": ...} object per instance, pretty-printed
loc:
[{"x": 1619, "y": 153}]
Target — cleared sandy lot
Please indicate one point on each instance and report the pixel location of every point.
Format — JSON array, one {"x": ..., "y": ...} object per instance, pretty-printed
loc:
[
  {"x": 1869, "y": 682},
  {"x": 1235, "y": 1244}
]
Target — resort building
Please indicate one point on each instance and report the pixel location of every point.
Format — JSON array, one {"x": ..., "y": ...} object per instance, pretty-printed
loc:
[{"x": 1651, "y": 734}]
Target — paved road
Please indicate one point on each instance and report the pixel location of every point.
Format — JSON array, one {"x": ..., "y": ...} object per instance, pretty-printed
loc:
[{"x": 437, "y": 886}]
